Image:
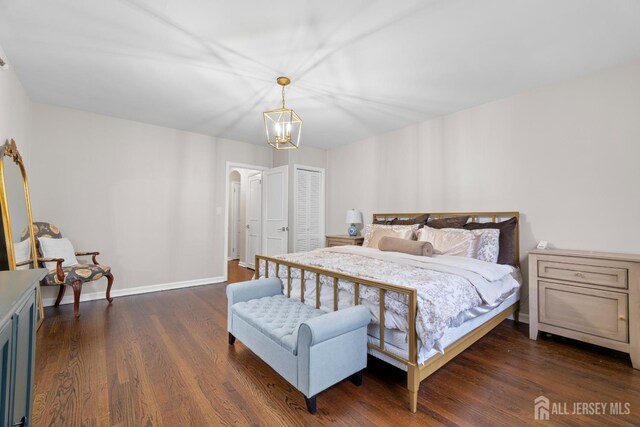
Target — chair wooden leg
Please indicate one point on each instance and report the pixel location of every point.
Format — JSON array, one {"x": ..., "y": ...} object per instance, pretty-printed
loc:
[
  {"x": 77, "y": 288},
  {"x": 109, "y": 283},
  {"x": 60, "y": 295}
]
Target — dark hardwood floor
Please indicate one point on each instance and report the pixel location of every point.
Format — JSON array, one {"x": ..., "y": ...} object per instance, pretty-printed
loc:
[{"x": 162, "y": 359}]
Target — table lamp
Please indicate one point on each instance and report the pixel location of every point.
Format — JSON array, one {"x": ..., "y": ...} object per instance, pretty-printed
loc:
[{"x": 354, "y": 217}]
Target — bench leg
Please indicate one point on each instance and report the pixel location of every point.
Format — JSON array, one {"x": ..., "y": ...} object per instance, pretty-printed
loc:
[
  {"x": 356, "y": 378},
  {"x": 232, "y": 339},
  {"x": 311, "y": 404}
]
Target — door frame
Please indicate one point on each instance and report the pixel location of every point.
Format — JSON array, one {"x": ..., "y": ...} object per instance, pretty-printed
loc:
[
  {"x": 229, "y": 167},
  {"x": 323, "y": 205},
  {"x": 247, "y": 262},
  {"x": 235, "y": 219}
]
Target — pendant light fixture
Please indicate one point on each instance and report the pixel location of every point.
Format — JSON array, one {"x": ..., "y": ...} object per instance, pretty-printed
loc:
[{"x": 282, "y": 126}]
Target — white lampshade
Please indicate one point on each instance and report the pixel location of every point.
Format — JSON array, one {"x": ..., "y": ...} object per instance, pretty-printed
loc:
[{"x": 354, "y": 216}]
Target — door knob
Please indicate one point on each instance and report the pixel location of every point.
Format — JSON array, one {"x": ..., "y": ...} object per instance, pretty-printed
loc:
[{"x": 248, "y": 226}]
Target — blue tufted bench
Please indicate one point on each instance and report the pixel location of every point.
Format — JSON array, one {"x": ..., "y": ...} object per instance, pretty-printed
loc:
[{"x": 310, "y": 348}]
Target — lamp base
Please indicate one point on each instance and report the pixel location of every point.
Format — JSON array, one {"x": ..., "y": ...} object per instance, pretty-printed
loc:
[{"x": 353, "y": 231}]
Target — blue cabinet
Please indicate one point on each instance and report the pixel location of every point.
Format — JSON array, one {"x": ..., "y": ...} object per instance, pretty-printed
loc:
[
  {"x": 18, "y": 296},
  {"x": 6, "y": 332}
]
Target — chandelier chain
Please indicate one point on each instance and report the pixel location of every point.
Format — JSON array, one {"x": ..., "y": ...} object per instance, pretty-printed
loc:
[{"x": 283, "y": 97}]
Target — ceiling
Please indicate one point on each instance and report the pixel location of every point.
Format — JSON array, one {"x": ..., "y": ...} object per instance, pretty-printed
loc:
[{"x": 358, "y": 67}]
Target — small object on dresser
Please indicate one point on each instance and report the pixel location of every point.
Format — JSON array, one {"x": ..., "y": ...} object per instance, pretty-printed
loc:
[
  {"x": 354, "y": 217},
  {"x": 344, "y": 240}
]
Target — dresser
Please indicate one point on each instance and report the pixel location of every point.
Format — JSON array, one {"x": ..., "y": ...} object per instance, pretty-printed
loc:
[
  {"x": 588, "y": 296},
  {"x": 344, "y": 240},
  {"x": 18, "y": 308}
]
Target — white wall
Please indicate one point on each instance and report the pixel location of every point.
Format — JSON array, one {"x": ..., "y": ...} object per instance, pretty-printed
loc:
[
  {"x": 566, "y": 156},
  {"x": 15, "y": 110},
  {"x": 150, "y": 199}
]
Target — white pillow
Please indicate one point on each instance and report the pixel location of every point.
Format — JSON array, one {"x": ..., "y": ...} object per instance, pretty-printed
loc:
[
  {"x": 22, "y": 251},
  {"x": 374, "y": 232},
  {"x": 57, "y": 248},
  {"x": 488, "y": 245},
  {"x": 450, "y": 241}
]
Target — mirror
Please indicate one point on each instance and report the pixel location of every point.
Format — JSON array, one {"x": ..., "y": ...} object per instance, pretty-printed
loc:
[{"x": 18, "y": 245}]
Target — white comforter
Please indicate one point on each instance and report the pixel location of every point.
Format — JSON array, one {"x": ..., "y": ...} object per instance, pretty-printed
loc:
[{"x": 447, "y": 286}]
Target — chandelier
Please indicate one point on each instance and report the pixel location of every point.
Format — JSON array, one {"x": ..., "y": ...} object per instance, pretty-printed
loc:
[{"x": 282, "y": 126}]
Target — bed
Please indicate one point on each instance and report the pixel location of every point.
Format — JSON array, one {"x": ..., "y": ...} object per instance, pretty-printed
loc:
[{"x": 426, "y": 310}]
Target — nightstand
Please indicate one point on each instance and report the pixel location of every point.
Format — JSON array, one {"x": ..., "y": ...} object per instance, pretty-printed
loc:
[
  {"x": 588, "y": 296},
  {"x": 344, "y": 240}
]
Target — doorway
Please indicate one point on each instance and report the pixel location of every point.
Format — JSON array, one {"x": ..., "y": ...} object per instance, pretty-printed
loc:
[{"x": 240, "y": 207}]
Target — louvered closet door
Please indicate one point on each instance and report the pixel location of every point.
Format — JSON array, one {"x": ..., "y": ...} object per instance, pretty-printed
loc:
[{"x": 309, "y": 205}]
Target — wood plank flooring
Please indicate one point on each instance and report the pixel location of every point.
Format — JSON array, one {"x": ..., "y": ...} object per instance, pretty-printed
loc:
[{"x": 162, "y": 359}]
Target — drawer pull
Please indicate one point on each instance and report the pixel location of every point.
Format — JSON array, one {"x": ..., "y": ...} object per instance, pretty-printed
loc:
[
  {"x": 579, "y": 274},
  {"x": 622, "y": 318}
]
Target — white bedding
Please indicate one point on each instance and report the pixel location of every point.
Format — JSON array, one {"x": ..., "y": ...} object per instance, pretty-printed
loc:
[
  {"x": 448, "y": 287},
  {"x": 396, "y": 341}
]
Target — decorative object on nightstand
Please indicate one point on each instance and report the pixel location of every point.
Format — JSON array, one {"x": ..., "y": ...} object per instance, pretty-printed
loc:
[
  {"x": 588, "y": 296},
  {"x": 354, "y": 217},
  {"x": 344, "y": 240}
]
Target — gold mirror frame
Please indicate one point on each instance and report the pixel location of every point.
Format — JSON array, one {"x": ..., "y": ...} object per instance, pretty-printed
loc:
[{"x": 10, "y": 150}]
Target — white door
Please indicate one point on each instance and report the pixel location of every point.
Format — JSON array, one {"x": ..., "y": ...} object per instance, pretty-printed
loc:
[
  {"x": 235, "y": 220},
  {"x": 254, "y": 219},
  {"x": 308, "y": 208},
  {"x": 275, "y": 209}
]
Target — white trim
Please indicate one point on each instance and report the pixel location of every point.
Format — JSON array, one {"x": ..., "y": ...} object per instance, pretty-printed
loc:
[
  {"x": 297, "y": 167},
  {"x": 229, "y": 167},
  {"x": 235, "y": 219},
  {"x": 523, "y": 317},
  {"x": 47, "y": 302}
]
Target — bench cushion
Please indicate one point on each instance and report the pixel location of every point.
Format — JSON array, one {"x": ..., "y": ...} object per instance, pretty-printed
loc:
[{"x": 278, "y": 317}]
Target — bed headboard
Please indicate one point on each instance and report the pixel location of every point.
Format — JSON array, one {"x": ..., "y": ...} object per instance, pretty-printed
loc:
[{"x": 473, "y": 217}]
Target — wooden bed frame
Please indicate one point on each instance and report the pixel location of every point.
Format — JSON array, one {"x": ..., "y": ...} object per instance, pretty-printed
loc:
[{"x": 415, "y": 373}]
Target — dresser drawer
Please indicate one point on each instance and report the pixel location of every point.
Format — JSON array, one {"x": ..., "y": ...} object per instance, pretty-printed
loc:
[
  {"x": 583, "y": 273},
  {"x": 591, "y": 311}
]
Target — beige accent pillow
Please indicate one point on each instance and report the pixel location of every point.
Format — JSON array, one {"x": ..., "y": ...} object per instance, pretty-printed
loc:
[
  {"x": 450, "y": 241},
  {"x": 57, "y": 248},
  {"x": 411, "y": 247},
  {"x": 374, "y": 232}
]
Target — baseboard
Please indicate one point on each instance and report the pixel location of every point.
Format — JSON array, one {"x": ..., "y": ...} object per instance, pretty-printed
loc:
[
  {"x": 522, "y": 318},
  {"x": 244, "y": 264},
  {"x": 68, "y": 299}
]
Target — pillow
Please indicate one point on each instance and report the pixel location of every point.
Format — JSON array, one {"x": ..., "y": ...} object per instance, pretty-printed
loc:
[
  {"x": 488, "y": 245},
  {"x": 507, "y": 253},
  {"x": 451, "y": 222},
  {"x": 383, "y": 221},
  {"x": 374, "y": 232},
  {"x": 450, "y": 241},
  {"x": 57, "y": 248},
  {"x": 411, "y": 247},
  {"x": 22, "y": 251},
  {"x": 421, "y": 220}
]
